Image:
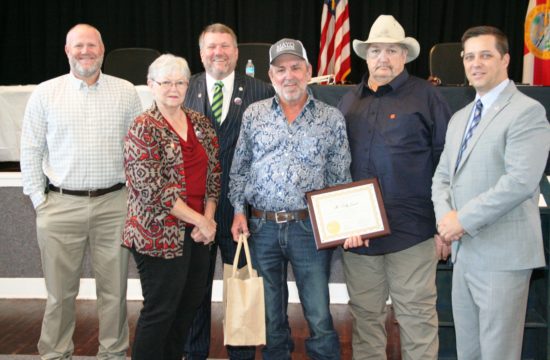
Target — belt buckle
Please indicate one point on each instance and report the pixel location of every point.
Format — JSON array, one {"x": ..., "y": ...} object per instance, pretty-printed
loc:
[{"x": 284, "y": 217}]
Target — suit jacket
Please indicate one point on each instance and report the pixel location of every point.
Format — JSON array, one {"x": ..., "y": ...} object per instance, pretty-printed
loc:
[
  {"x": 496, "y": 186},
  {"x": 246, "y": 90}
]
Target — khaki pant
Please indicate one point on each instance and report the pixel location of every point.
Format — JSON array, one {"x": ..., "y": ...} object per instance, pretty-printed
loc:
[
  {"x": 408, "y": 277},
  {"x": 66, "y": 226}
]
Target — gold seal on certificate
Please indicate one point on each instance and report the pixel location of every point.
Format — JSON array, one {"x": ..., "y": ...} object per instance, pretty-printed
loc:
[{"x": 341, "y": 211}]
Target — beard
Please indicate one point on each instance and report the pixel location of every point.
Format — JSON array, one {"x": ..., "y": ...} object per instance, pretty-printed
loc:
[
  {"x": 288, "y": 95},
  {"x": 85, "y": 72},
  {"x": 217, "y": 70}
]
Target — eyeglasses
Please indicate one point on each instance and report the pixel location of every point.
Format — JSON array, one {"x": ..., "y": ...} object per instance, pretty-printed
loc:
[
  {"x": 375, "y": 52},
  {"x": 165, "y": 85}
]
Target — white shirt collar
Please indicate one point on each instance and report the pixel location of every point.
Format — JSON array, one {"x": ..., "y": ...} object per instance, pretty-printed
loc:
[
  {"x": 228, "y": 82},
  {"x": 488, "y": 99},
  {"x": 79, "y": 83},
  {"x": 227, "y": 91}
]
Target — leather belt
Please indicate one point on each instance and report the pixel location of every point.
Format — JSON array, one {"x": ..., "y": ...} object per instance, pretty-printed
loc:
[
  {"x": 89, "y": 193},
  {"x": 280, "y": 216}
]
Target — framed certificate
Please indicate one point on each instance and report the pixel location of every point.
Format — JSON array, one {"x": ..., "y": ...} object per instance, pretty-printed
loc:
[{"x": 341, "y": 211}]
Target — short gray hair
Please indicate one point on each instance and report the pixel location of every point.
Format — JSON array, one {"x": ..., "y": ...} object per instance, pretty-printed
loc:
[{"x": 168, "y": 64}]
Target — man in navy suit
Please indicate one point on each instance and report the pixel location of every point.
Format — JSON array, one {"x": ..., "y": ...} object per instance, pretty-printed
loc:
[{"x": 219, "y": 53}]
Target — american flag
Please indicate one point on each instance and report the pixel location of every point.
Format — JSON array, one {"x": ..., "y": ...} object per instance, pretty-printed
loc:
[{"x": 334, "y": 52}]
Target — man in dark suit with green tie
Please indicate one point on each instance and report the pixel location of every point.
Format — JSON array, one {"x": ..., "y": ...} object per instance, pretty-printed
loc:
[{"x": 222, "y": 94}]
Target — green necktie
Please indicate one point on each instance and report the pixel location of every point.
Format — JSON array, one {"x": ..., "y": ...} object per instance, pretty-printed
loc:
[{"x": 217, "y": 102}]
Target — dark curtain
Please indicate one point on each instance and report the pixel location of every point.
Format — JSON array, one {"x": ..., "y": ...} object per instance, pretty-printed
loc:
[{"x": 32, "y": 32}]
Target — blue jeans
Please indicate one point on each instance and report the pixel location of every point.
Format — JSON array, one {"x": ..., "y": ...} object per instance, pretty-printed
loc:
[{"x": 272, "y": 246}]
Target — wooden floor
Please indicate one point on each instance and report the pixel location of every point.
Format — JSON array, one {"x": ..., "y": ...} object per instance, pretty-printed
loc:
[{"x": 20, "y": 322}]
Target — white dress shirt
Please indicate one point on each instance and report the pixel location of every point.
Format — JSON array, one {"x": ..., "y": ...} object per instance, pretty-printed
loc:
[
  {"x": 487, "y": 100},
  {"x": 227, "y": 91},
  {"x": 73, "y": 134}
]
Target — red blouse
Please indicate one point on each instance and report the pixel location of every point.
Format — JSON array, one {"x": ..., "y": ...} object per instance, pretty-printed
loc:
[{"x": 196, "y": 164}]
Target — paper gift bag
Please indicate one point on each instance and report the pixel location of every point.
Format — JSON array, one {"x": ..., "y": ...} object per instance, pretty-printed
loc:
[{"x": 243, "y": 302}]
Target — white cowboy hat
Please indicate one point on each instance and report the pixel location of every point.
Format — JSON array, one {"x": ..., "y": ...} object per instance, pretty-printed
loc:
[{"x": 387, "y": 30}]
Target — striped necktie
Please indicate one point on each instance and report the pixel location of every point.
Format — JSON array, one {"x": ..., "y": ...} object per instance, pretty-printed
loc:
[
  {"x": 470, "y": 132},
  {"x": 217, "y": 102}
]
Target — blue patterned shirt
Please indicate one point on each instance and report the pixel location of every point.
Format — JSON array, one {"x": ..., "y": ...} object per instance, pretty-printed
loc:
[{"x": 277, "y": 162}]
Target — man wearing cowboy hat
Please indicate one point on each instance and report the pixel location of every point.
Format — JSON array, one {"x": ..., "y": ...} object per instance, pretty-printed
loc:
[{"x": 396, "y": 127}]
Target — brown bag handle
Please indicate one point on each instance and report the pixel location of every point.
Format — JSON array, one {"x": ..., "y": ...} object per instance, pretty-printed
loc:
[{"x": 243, "y": 241}]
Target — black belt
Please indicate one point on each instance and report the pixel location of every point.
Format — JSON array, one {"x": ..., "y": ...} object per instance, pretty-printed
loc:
[
  {"x": 89, "y": 193},
  {"x": 280, "y": 216}
]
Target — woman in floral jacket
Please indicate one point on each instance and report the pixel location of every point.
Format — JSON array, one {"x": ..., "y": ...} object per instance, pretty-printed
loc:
[{"x": 173, "y": 175}]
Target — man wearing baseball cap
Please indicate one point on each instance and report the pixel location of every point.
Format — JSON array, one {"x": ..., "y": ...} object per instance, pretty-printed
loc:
[
  {"x": 288, "y": 145},
  {"x": 396, "y": 125}
]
